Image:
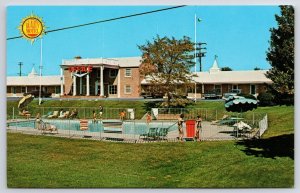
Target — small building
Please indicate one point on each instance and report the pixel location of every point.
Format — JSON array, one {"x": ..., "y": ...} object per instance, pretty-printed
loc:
[
  {"x": 18, "y": 85},
  {"x": 248, "y": 81}
]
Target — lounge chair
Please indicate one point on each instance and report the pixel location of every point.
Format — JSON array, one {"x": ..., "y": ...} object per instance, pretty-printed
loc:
[
  {"x": 48, "y": 114},
  {"x": 65, "y": 115},
  {"x": 54, "y": 115},
  {"x": 25, "y": 114},
  {"x": 152, "y": 133},
  {"x": 225, "y": 117},
  {"x": 162, "y": 133},
  {"x": 50, "y": 128},
  {"x": 45, "y": 126}
]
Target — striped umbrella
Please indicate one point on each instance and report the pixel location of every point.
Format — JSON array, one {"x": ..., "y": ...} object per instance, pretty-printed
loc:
[
  {"x": 240, "y": 104},
  {"x": 25, "y": 101}
]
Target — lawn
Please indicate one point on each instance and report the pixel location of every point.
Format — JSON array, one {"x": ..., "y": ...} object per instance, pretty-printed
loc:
[{"x": 49, "y": 162}]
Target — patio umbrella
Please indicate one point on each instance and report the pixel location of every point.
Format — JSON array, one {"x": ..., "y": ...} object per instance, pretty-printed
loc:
[
  {"x": 25, "y": 101},
  {"x": 240, "y": 104}
]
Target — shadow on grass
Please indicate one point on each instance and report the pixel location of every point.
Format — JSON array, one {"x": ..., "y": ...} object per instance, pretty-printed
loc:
[{"x": 279, "y": 146}]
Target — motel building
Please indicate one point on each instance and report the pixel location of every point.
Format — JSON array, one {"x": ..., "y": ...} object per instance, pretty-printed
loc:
[{"x": 120, "y": 78}]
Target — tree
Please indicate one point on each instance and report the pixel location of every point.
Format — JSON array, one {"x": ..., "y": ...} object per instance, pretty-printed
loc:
[
  {"x": 226, "y": 69},
  {"x": 166, "y": 65},
  {"x": 257, "y": 68},
  {"x": 281, "y": 57}
]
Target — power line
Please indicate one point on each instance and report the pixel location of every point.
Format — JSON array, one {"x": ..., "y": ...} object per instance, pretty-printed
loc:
[{"x": 106, "y": 20}]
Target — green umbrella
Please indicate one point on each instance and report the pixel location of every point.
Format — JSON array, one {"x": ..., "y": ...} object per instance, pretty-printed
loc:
[{"x": 240, "y": 104}]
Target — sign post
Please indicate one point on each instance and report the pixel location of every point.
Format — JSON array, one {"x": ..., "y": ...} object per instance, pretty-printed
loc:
[{"x": 32, "y": 27}]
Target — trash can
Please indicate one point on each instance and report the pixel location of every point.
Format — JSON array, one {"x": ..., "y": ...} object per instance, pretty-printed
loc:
[{"x": 190, "y": 128}]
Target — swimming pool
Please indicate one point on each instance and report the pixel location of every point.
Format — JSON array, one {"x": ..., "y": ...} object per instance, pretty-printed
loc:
[{"x": 126, "y": 127}]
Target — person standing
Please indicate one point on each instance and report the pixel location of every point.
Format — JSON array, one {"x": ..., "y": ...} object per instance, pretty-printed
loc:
[
  {"x": 180, "y": 126},
  {"x": 94, "y": 117},
  {"x": 122, "y": 115},
  {"x": 198, "y": 128},
  {"x": 100, "y": 111},
  {"x": 148, "y": 118}
]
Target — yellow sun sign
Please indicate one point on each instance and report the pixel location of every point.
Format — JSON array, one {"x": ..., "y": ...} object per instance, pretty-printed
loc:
[{"x": 32, "y": 27}]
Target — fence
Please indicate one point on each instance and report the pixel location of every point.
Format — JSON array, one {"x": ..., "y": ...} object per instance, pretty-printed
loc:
[
  {"x": 216, "y": 125},
  {"x": 112, "y": 130},
  {"x": 206, "y": 114},
  {"x": 83, "y": 112},
  {"x": 263, "y": 125}
]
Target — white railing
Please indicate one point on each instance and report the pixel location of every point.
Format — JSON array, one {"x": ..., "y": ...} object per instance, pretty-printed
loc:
[{"x": 263, "y": 125}]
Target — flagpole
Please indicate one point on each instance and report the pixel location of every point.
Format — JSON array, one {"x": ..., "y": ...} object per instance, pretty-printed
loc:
[
  {"x": 41, "y": 66},
  {"x": 195, "y": 58}
]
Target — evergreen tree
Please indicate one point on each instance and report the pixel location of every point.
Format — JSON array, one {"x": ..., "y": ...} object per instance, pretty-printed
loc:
[
  {"x": 166, "y": 65},
  {"x": 226, "y": 69},
  {"x": 281, "y": 57}
]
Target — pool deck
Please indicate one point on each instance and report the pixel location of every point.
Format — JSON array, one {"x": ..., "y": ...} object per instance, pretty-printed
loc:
[{"x": 209, "y": 132}]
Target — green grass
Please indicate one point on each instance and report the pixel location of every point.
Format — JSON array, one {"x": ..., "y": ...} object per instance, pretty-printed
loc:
[{"x": 49, "y": 162}]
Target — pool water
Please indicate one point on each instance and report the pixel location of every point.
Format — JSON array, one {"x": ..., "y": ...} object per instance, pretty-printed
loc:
[{"x": 133, "y": 127}]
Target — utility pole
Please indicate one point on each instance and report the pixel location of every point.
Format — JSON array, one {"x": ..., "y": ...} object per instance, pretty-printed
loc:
[
  {"x": 20, "y": 66},
  {"x": 201, "y": 53}
]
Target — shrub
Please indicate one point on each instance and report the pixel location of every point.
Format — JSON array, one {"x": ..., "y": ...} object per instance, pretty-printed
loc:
[
  {"x": 266, "y": 99},
  {"x": 248, "y": 96}
]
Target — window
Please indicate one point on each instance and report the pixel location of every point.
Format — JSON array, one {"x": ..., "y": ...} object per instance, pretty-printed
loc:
[
  {"x": 128, "y": 72},
  {"x": 113, "y": 73},
  {"x": 112, "y": 89},
  {"x": 23, "y": 89},
  {"x": 98, "y": 74},
  {"x": 57, "y": 90},
  {"x": 252, "y": 89},
  {"x": 13, "y": 90},
  {"x": 218, "y": 88},
  {"x": 235, "y": 86},
  {"x": 128, "y": 89}
]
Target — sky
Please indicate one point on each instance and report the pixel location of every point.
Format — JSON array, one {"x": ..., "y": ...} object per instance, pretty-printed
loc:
[{"x": 238, "y": 35}]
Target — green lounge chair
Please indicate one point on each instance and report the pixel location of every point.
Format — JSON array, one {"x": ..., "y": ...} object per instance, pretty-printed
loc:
[{"x": 152, "y": 133}]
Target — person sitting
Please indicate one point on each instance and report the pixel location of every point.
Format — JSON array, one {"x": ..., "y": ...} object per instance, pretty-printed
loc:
[
  {"x": 61, "y": 113},
  {"x": 74, "y": 113},
  {"x": 25, "y": 113},
  {"x": 64, "y": 115}
]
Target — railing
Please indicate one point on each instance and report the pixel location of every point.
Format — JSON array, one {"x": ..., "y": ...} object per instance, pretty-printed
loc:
[
  {"x": 82, "y": 112},
  {"x": 263, "y": 125}
]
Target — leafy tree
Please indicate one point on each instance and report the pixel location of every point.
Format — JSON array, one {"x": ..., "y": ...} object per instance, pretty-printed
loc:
[
  {"x": 166, "y": 66},
  {"x": 281, "y": 57},
  {"x": 226, "y": 69}
]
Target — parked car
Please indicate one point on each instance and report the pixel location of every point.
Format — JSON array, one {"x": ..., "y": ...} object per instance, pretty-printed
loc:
[
  {"x": 36, "y": 93},
  {"x": 213, "y": 94},
  {"x": 233, "y": 92},
  {"x": 152, "y": 95}
]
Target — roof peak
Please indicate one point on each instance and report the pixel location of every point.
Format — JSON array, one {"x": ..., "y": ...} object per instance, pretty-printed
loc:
[
  {"x": 215, "y": 66},
  {"x": 33, "y": 72}
]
